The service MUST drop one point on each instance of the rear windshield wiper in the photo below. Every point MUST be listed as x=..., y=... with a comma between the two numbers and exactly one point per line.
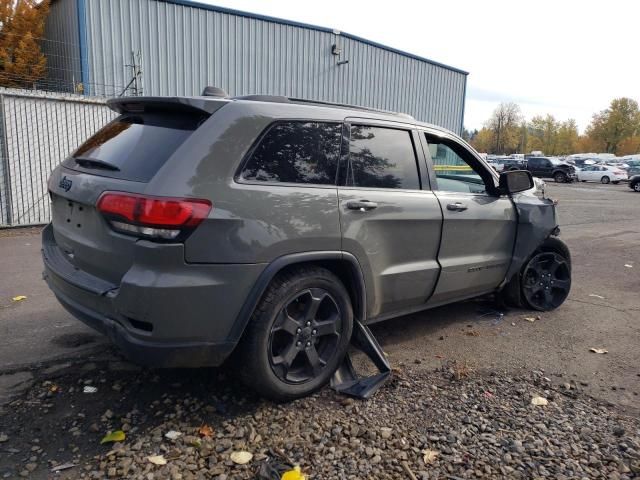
x=87, y=162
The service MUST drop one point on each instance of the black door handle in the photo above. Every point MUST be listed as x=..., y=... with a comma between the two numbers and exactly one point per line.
x=457, y=207
x=362, y=205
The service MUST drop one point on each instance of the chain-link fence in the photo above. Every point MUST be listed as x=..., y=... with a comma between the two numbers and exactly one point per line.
x=38, y=129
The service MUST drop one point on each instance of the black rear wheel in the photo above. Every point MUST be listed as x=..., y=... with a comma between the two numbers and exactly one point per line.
x=636, y=187
x=297, y=336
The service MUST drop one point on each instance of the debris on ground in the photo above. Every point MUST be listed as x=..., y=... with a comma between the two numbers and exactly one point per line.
x=19, y=298
x=89, y=389
x=295, y=474
x=157, y=459
x=115, y=436
x=172, y=435
x=429, y=456
x=64, y=466
x=601, y=351
x=205, y=431
x=241, y=457
x=472, y=333
x=595, y=295
x=481, y=427
x=628, y=265
x=539, y=401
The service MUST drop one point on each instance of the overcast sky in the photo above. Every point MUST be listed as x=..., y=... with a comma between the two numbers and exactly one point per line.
x=567, y=58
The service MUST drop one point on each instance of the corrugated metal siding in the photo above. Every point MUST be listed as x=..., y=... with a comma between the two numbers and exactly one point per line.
x=185, y=48
x=61, y=46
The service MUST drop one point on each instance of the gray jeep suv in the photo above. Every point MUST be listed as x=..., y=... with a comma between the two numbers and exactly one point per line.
x=260, y=229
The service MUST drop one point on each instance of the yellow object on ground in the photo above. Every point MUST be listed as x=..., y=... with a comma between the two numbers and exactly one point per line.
x=294, y=474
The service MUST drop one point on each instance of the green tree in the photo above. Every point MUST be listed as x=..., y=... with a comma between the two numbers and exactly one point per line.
x=483, y=141
x=610, y=127
x=543, y=134
x=567, y=142
x=505, y=126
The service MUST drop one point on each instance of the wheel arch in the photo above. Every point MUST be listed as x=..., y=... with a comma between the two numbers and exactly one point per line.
x=342, y=264
x=554, y=244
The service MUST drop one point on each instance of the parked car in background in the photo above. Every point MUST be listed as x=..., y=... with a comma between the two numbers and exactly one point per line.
x=634, y=167
x=601, y=173
x=545, y=167
x=634, y=183
x=512, y=164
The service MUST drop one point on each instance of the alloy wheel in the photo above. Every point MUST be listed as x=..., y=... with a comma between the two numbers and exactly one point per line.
x=546, y=281
x=305, y=336
x=605, y=180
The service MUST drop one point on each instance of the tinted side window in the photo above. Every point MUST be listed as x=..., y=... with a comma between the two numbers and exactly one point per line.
x=534, y=162
x=296, y=152
x=382, y=158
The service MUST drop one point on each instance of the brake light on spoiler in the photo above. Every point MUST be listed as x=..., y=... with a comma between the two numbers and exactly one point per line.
x=162, y=218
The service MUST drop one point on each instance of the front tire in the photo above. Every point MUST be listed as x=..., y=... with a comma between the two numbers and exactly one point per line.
x=604, y=180
x=297, y=336
x=545, y=279
x=636, y=187
x=524, y=289
x=559, y=177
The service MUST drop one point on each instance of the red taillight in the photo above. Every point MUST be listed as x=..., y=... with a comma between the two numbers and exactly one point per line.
x=152, y=216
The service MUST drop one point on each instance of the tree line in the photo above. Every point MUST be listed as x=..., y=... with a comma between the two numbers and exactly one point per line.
x=613, y=130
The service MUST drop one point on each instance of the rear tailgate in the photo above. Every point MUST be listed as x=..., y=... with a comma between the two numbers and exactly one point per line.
x=123, y=156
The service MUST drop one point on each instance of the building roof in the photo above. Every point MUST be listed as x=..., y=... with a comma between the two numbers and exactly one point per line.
x=266, y=18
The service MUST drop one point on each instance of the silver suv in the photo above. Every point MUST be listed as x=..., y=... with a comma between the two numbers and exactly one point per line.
x=260, y=229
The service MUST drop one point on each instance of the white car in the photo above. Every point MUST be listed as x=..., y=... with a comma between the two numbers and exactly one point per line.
x=601, y=173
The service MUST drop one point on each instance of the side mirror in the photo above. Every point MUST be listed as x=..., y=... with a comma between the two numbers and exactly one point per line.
x=515, y=181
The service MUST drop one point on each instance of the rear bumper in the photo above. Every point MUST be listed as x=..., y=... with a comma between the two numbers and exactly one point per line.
x=164, y=312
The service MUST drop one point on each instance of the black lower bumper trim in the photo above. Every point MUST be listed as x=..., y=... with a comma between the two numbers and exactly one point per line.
x=150, y=354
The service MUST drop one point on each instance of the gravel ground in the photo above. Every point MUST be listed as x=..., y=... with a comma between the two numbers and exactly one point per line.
x=468, y=424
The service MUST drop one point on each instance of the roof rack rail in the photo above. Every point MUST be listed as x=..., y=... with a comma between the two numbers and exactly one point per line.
x=282, y=99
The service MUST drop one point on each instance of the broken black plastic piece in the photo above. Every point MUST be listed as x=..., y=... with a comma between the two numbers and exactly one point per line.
x=347, y=381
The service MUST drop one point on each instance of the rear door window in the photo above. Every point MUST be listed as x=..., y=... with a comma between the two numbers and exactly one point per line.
x=382, y=157
x=296, y=152
x=134, y=146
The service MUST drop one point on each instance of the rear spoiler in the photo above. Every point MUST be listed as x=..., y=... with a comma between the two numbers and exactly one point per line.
x=182, y=104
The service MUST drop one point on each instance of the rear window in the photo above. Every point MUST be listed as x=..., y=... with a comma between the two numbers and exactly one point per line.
x=134, y=146
x=296, y=152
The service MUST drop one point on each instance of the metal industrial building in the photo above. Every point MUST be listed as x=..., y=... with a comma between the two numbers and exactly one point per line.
x=183, y=46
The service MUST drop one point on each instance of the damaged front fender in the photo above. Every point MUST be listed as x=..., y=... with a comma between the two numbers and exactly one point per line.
x=537, y=221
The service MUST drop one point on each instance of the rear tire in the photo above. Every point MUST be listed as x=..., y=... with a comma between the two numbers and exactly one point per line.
x=297, y=336
x=604, y=180
x=636, y=187
x=559, y=177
